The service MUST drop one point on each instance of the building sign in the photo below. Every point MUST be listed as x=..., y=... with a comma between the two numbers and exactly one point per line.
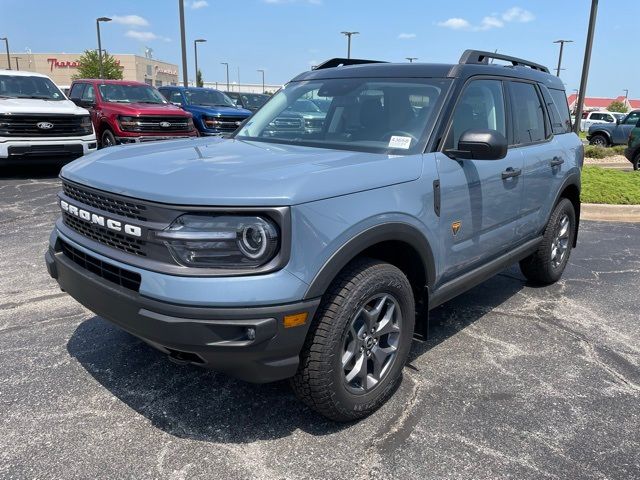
x=55, y=63
x=167, y=71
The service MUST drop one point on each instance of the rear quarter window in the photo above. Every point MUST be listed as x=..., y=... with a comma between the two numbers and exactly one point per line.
x=559, y=98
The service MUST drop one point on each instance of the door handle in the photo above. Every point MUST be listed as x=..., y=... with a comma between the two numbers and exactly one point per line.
x=511, y=172
x=556, y=161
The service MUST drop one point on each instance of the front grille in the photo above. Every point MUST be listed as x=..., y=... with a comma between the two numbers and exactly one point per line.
x=58, y=125
x=104, y=236
x=227, y=124
x=287, y=123
x=103, y=202
x=117, y=275
x=159, y=124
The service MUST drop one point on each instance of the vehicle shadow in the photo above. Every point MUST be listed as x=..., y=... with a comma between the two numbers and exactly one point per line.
x=191, y=402
x=32, y=170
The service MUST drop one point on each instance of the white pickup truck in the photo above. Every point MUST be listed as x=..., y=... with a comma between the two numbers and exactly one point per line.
x=602, y=116
x=38, y=123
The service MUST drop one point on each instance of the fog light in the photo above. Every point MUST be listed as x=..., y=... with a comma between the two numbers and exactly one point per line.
x=295, y=320
x=251, y=333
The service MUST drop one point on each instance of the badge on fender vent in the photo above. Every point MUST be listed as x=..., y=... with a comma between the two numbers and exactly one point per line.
x=455, y=227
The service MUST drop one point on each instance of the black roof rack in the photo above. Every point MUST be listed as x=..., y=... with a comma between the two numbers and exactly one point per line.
x=479, y=57
x=343, y=62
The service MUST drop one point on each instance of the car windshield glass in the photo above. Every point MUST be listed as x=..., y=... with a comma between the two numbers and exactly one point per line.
x=380, y=115
x=254, y=101
x=19, y=86
x=209, y=97
x=130, y=94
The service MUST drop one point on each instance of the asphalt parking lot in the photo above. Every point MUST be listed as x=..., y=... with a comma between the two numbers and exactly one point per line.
x=515, y=382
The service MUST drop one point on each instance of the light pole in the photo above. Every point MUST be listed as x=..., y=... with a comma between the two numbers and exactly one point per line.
x=238, y=78
x=411, y=59
x=226, y=65
x=195, y=51
x=262, y=71
x=183, y=45
x=17, y=62
x=626, y=93
x=561, y=42
x=349, y=35
x=6, y=41
x=98, y=20
x=586, y=63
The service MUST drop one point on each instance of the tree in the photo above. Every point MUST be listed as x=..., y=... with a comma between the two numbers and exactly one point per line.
x=617, y=106
x=199, y=82
x=89, y=66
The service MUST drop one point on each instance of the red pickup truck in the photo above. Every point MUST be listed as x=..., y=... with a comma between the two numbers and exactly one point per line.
x=130, y=112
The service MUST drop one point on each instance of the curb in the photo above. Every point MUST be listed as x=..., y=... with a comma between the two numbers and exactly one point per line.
x=610, y=213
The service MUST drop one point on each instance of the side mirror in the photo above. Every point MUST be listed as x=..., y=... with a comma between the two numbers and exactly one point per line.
x=177, y=104
x=480, y=144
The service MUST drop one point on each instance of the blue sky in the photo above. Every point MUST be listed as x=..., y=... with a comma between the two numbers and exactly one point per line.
x=287, y=36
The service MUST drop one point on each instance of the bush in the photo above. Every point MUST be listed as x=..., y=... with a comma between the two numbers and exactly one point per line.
x=591, y=151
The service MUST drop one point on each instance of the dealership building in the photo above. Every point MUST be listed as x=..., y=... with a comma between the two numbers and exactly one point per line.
x=60, y=67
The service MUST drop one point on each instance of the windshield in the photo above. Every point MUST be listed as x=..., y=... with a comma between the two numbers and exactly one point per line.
x=130, y=94
x=365, y=114
x=18, y=86
x=208, y=97
x=254, y=101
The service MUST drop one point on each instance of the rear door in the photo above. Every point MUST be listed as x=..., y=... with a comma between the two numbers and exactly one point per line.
x=480, y=199
x=544, y=156
x=622, y=132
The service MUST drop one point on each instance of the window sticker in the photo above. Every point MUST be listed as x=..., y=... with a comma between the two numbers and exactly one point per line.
x=400, y=142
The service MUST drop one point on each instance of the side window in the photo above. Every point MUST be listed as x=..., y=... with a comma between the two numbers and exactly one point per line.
x=596, y=116
x=559, y=110
x=528, y=113
x=609, y=118
x=76, y=91
x=632, y=118
x=175, y=97
x=89, y=94
x=481, y=106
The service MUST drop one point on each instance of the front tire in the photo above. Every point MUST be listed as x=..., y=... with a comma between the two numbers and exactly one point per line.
x=108, y=139
x=599, y=140
x=358, y=344
x=546, y=265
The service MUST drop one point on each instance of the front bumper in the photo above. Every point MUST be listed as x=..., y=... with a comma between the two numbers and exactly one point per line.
x=29, y=149
x=250, y=343
x=121, y=139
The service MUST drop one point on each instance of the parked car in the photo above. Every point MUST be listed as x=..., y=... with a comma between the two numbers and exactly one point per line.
x=322, y=103
x=130, y=112
x=312, y=116
x=213, y=112
x=617, y=133
x=38, y=123
x=313, y=257
x=632, y=152
x=595, y=117
x=249, y=101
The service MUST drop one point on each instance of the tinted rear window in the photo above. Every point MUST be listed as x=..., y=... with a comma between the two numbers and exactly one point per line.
x=560, y=102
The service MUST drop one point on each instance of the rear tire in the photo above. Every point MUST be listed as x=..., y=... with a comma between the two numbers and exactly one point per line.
x=599, y=140
x=546, y=265
x=108, y=139
x=349, y=366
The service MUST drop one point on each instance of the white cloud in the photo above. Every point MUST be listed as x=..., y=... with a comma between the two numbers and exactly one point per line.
x=517, y=14
x=197, y=4
x=455, y=24
x=145, y=36
x=281, y=2
x=406, y=36
x=131, y=20
x=514, y=14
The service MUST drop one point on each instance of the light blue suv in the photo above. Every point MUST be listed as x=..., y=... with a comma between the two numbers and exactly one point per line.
x=314, y=254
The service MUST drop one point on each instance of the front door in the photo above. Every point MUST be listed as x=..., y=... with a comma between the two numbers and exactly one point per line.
x=480, y=199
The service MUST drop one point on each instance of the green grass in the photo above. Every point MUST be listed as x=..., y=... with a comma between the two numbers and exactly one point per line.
x=591, y=151
x=603, y=185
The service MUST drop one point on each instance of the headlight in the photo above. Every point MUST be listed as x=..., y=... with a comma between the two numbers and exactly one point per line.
x=85, y=123
x=190, y=124
x=127, y=123
x=221, y=241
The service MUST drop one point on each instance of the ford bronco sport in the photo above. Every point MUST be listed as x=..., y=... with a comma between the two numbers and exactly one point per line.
x=310, y=254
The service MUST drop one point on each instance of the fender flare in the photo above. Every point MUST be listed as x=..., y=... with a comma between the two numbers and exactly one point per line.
x=572, y=179
x=391, y=231
x=601, y=132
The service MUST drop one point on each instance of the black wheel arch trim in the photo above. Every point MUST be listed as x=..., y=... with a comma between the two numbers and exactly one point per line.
x=390, y=231
x=573, y=179
x=604, y=133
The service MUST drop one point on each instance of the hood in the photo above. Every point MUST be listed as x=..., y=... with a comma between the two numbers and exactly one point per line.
x=205, y=110
x=229, y=172
x=35, y=105
x=146, y=109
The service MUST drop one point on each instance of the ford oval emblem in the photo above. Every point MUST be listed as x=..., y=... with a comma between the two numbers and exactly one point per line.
x=44, y=125
x=165, y=124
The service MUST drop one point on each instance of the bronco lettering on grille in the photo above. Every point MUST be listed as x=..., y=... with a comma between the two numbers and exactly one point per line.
x=100, y=220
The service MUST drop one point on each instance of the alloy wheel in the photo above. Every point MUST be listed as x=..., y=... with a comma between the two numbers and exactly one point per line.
x=560, y=244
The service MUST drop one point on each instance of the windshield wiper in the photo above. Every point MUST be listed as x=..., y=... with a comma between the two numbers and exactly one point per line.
x=37, y=97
